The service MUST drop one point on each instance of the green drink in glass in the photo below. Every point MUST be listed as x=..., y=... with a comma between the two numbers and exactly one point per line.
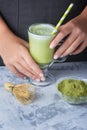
x=39, y=42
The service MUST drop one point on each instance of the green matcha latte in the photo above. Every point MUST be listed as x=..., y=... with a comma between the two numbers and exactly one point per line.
x=39, y=42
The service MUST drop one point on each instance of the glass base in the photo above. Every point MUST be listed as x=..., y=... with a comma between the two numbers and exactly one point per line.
x=50, y=79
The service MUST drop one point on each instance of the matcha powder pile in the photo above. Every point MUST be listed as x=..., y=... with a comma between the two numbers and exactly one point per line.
x=73, y=88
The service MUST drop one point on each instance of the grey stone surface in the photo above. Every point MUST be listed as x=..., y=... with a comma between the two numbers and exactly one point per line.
x=48, y=111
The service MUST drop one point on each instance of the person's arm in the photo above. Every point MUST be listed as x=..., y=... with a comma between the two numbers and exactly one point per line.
x=15, y=54
x=77, y=39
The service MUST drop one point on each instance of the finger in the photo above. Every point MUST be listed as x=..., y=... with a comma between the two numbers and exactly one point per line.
x=80, y=48
x=73, y=46
x=23, y=70
x=15, y=71
x=63, y=32
x=32, y=64
x=26, y=44
x=28, y=68
x=72, y=37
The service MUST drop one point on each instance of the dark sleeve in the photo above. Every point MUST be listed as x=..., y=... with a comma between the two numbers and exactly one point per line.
x=0, y=13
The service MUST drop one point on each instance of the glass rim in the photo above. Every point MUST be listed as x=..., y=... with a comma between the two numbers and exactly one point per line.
x=48, y=24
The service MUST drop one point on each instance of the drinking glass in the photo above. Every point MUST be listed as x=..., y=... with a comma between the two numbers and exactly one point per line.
x=40, y=38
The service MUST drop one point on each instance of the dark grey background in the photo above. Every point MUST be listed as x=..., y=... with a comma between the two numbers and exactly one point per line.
x=20, y=14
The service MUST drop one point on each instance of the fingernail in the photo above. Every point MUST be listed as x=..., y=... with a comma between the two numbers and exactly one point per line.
x=51, y=46
x=55, y=57
x=41, y=75
x=43, y=78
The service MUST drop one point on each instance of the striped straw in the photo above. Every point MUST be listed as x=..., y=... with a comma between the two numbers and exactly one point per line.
x=62, y=18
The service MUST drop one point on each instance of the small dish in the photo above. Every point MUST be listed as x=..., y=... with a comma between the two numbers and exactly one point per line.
x=72, y=99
